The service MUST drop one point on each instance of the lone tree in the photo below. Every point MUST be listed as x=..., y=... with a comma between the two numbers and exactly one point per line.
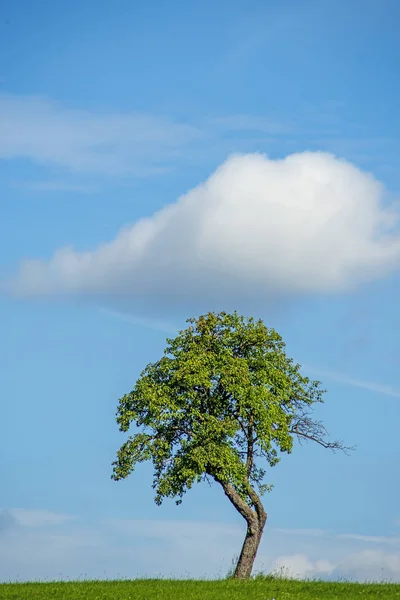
x=219, y=405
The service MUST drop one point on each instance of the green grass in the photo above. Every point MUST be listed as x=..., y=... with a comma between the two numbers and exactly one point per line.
x=259, y=588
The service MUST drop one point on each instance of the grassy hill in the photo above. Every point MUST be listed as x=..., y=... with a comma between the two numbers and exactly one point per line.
x=160, y=589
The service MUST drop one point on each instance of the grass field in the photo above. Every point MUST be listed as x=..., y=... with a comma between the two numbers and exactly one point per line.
x=159, y=589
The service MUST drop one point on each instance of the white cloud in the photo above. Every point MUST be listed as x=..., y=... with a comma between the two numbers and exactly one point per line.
x=256, y=229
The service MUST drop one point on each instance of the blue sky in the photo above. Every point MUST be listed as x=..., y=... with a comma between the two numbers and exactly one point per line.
x=159, y=161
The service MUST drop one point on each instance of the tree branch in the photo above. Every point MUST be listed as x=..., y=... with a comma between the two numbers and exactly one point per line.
x=258, y=505
x=250, y=449
x=241, y=506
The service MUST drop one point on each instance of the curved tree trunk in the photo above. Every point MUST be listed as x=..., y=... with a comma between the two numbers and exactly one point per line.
x=249, y=549
x=255, y=520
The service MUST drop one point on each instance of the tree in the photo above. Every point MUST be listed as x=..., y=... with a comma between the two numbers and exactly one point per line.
x=221, y=404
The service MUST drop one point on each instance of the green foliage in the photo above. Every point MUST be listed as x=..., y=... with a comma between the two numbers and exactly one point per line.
x=223, y=402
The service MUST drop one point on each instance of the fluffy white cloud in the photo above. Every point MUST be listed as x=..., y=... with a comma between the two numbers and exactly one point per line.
x=309, y=223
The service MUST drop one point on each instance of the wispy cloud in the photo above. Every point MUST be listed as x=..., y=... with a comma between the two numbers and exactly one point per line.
x=7, y=521
x=251, y=123
x=364, y=565
x=372, y=539
x=101, y=143
x=169, y=328
x=157, y=324
x=39, y=518
x=48, y=545
x=56, y=186
x=162, y=529
x=372, y=386
x=94, y=142
x=126, y=145
x=302, y=532
x=319, y=533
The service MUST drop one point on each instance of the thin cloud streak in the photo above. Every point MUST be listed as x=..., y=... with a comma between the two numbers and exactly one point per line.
x=39, y=518
x=169, y=328
x=156, y=324
x=373, y=539
x=325, y=533
x=372, y=386
x=133, y=144
x=55, y=186
x=305, y=532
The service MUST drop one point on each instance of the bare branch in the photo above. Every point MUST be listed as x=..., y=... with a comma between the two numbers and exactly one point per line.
x=307, y=429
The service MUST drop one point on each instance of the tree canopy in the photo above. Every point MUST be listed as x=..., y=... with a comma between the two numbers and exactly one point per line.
x=222, y=404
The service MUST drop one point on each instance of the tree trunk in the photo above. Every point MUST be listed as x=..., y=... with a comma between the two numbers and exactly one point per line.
x=249, y=549
x=255, y=520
